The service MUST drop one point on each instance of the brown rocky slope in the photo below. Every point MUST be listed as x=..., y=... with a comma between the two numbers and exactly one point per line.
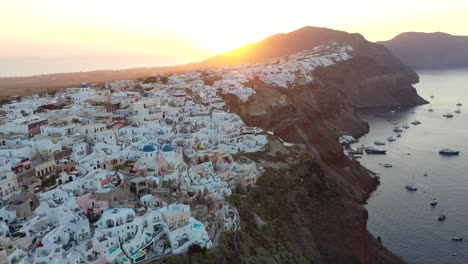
x=311, y=199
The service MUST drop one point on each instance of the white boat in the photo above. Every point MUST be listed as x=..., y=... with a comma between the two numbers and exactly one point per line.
x=387, y=165
x=434, y=202
x=431, y=109
x=379, y=143
x=398, y=135
x=425, y=174
x=373, y=150
x=411, y=186
x=416, y=122
x=448, y=114
x=457, y=111
x=457, y=238
x=459, y=103
x=449, y=152
x=394, y=123
x=405, y=126
x=391, y=139
x=397, y=130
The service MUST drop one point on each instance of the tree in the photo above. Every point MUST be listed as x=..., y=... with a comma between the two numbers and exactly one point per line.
x=119, y=167
x=52, y=93
x=165, y=243
x=4, y=101
x=163, y=79
x=188, y=91
x=193, y=249
x=151, y=79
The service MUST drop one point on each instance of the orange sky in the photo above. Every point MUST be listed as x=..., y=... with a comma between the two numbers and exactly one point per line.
x=194, y=30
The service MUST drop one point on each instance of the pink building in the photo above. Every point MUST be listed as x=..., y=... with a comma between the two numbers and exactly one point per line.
x=86, y=202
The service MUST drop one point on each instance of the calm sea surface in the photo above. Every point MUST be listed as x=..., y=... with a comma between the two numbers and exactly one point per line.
x=405, y=220
x=28, y=66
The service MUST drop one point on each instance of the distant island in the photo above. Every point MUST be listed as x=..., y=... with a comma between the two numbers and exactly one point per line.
x=430, y=50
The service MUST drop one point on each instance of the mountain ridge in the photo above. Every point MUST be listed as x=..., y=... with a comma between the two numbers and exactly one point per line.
x=278, y=45
x=429, y=50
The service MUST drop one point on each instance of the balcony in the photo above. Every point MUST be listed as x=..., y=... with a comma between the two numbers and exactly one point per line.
x=130, y=218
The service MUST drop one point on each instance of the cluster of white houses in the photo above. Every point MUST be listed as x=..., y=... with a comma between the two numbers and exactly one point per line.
x=121, y=173
x=129, y=171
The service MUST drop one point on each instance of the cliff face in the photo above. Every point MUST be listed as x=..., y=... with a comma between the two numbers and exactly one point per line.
x=311, y=197
x=320, y=199
x=430, y=50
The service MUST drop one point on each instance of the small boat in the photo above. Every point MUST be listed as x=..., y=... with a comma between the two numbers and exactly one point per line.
x=425, y=174
x=459, y=103
x=457, y=111
x=430, y=109
x=398, y=135
x=379, y=143
x=373, y=150
x=411, y=186
x=405, y=126
x=394, y=123
x=442, y=217
x=448, y=114
x=397, y=130
x=391, y=139
x=387, y=165
x=457, y=238
x=434, y=202
x=449, y=152
x=416, y=122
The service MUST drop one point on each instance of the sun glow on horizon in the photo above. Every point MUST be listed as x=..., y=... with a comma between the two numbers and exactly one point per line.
x=195, y=30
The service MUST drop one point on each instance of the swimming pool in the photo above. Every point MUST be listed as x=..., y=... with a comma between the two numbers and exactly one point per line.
x=113, y=250
x=139, y=254
x=197, y=226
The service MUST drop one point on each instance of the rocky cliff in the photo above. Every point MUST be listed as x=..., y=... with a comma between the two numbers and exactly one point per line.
x=430, y=50
x=310, y=198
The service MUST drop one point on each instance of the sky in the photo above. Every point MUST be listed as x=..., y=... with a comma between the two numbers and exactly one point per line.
x=186, y=31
